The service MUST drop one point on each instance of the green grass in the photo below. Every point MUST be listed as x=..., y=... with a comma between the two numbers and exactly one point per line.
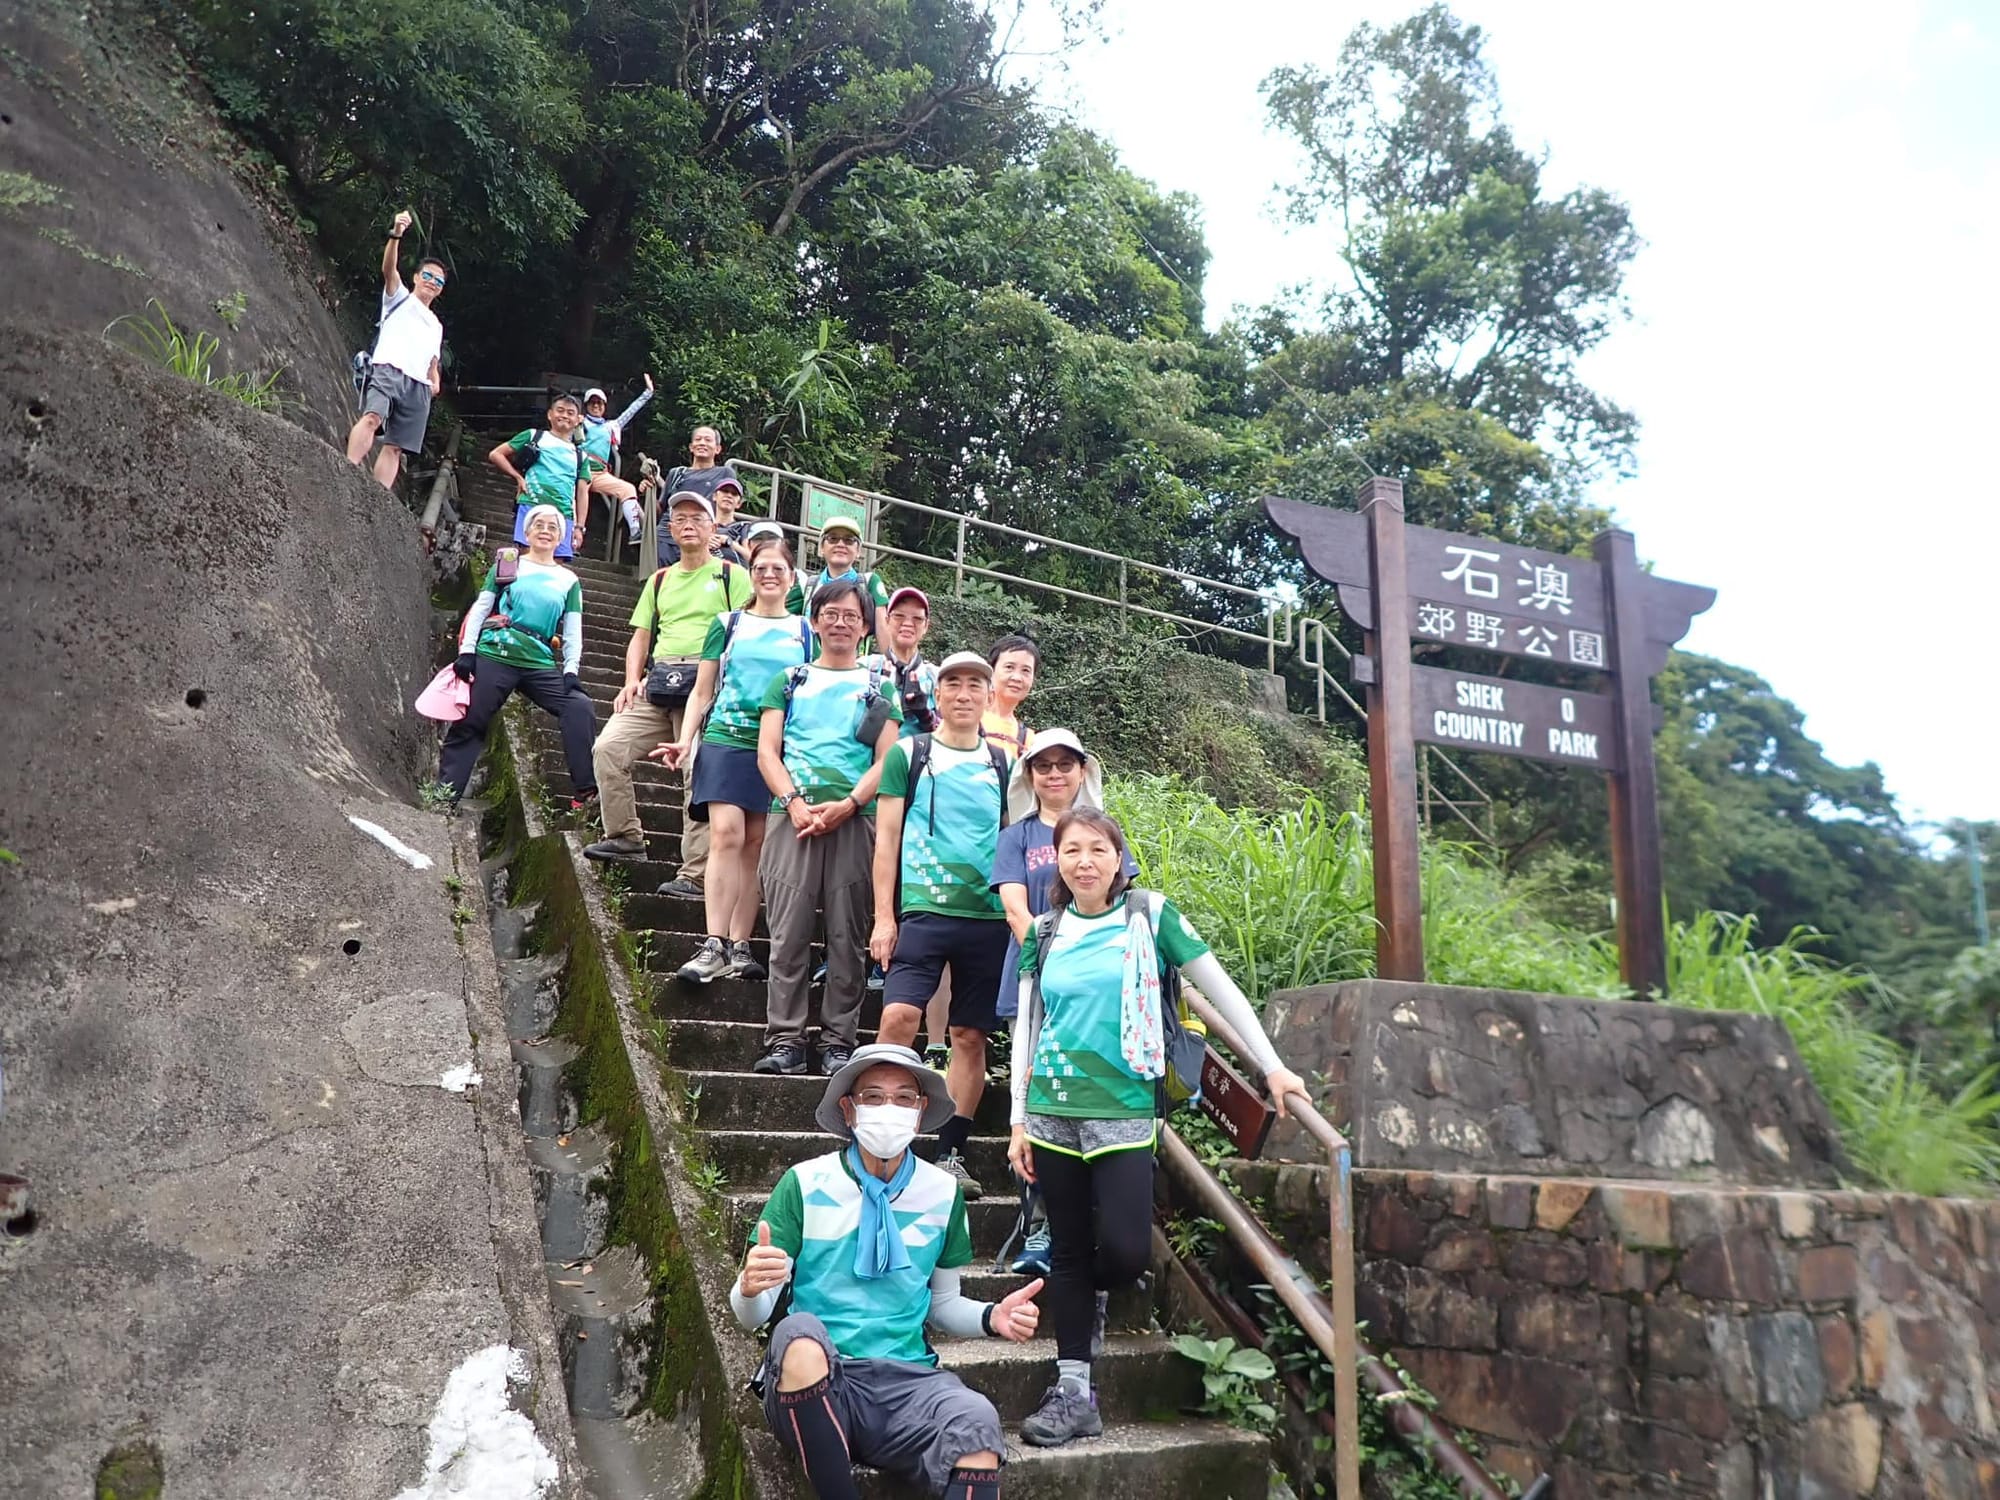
x=190, y=353
x=1287, y=900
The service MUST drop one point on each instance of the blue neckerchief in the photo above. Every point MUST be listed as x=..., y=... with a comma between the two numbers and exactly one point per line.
x=878, y=1246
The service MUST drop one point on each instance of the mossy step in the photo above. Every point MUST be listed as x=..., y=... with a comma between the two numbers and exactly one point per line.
x=1183, y=1459
x=742, y=1001
x=726, y=1045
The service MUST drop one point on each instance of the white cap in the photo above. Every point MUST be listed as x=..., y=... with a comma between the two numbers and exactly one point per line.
x=679, y=497
x=960, y=661
x=1022, y=803
x=595, y=393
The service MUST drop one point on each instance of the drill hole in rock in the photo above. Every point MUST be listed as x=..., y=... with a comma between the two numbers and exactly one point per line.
x=37, y=411
x=196, y=697
x=351, y=947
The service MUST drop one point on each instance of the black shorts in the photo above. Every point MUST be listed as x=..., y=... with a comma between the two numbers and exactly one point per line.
x=403, y=404
x=973, y=948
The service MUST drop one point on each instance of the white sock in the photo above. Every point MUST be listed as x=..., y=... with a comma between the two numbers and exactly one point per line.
x=633, y=516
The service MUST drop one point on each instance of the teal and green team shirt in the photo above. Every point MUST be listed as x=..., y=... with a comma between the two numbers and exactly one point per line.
x=821, y=752
x=538, y=598
x=815, y=1214
x=951, y=829
x=552, y=466
x=760, y=648
x=1079, y=1068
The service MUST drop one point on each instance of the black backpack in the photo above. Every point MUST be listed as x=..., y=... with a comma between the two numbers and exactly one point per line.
x=920, y=757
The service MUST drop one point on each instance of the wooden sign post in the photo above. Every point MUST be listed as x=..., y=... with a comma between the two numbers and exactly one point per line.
x=1599, y=614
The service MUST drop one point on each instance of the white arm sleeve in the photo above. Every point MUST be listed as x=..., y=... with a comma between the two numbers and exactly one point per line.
x=952, y=1311
x=1220, y=990
x=475, y=618
x=753, y=1312
x=572, y=637
x=1026, y=1031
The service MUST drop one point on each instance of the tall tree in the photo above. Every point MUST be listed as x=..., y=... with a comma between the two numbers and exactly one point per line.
x=1466, y=281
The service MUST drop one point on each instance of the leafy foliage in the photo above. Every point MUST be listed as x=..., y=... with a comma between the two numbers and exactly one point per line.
x=1229, y=1380
x=190, y=353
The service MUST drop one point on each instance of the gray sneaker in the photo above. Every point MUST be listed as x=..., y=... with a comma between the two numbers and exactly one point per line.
x=680, y=886
x=1064, y=1414
x=710, y=961
x=953, y=1163
x=743, y=963
x=624, y=847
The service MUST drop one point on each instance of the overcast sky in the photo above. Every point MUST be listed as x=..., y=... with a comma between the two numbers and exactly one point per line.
x=1815, y=328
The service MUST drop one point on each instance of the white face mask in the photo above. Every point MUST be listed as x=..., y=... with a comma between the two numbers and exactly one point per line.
x=885, y=1130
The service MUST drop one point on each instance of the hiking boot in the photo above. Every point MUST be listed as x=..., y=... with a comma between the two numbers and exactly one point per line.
x=1065, y=1413
x=1034, y=1257
x=680, y=886
x=954, y=1164
x=833, y=1057
x=819, y=975
x=1099, y=1313
x=787, y=1057
x=710, y=961
x=584, y=800
x=629, y=847
x=937, y=1057
x=743, y=963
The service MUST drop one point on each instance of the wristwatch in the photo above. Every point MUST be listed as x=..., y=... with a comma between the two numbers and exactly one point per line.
x=788, y=799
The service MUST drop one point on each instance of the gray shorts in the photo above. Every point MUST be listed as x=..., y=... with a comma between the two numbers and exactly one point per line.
x=1088, y=1138
x=913, y=1421
x=403, y=404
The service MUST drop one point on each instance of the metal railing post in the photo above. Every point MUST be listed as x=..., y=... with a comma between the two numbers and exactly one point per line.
x=958, y=563
x=444, y=484
x=649, y=534
x=1124, y=599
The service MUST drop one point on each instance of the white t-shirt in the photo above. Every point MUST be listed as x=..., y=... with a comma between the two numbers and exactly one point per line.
x=411, y=337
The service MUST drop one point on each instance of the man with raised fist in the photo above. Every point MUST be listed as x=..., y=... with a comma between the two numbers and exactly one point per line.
x=869, y=1240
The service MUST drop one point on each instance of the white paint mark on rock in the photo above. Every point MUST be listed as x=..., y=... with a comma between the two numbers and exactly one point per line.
x=1461, y=1135
x=1773, y=1141
x=416, y=859
x=457, y=1080
x=114, y=906
x=479, y=1445
x=1396, y=1125
x=1674, y=1134
x=1404, y=1014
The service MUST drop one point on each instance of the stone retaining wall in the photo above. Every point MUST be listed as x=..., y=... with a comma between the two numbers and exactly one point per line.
x=1643, y=1339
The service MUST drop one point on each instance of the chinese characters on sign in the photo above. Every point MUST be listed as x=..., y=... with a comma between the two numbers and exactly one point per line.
x=1464, y=626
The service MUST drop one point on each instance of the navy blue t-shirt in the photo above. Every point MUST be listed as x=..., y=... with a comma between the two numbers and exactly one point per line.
x=1027, y=856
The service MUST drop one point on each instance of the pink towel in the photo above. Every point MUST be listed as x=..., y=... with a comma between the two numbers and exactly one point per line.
x=446, y=698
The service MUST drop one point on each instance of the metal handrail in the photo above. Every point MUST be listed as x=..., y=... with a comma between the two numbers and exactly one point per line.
x=1331, y=1327
x=1285, y=626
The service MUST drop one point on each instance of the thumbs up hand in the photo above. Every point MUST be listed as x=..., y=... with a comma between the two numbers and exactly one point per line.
x=1015, y=1316
x=765, y=1266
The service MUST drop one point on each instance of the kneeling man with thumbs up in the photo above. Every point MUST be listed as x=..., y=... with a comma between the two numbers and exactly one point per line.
x=870, y=1240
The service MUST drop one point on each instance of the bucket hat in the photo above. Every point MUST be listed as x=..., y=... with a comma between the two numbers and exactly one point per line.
x=937, y=1101
x=1021, y=785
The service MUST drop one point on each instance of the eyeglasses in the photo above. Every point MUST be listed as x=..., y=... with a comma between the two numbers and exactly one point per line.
x=840, y=616
x=431, y=276
x=769, y=570
x=902, y=1098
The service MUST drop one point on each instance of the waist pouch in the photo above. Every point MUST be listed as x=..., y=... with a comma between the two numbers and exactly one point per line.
x=670, y=682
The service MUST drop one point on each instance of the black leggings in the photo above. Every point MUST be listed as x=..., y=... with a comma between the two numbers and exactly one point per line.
x=1100, y=1233
x=492, y=681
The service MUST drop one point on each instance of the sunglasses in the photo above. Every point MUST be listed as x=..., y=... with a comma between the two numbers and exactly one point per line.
x=431, y=276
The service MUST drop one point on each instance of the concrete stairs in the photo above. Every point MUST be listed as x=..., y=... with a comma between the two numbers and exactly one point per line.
x=752, y=1127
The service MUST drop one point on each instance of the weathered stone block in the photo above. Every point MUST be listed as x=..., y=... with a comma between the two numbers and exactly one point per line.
x=1642, y=1218
x=1394, y=1228
x=1514, y=1398
x=1677, y=1340
x=1784, y=1349
x=1437, y=1313
x=1552, y=1265
x=1839, y=1355
x=1829, y=1273
x=1875, y=1334
x=1558, y=1327
x=1509, y=1202
x=1462, y=1250
x=1556, y=1203
x=1690, y=1404
x=1735, y=1266
x=1436, y=1077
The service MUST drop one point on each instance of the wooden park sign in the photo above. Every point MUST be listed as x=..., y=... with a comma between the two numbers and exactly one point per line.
x=1599, y=614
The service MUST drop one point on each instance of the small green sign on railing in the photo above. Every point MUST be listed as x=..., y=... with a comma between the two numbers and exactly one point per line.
x=823, y=505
